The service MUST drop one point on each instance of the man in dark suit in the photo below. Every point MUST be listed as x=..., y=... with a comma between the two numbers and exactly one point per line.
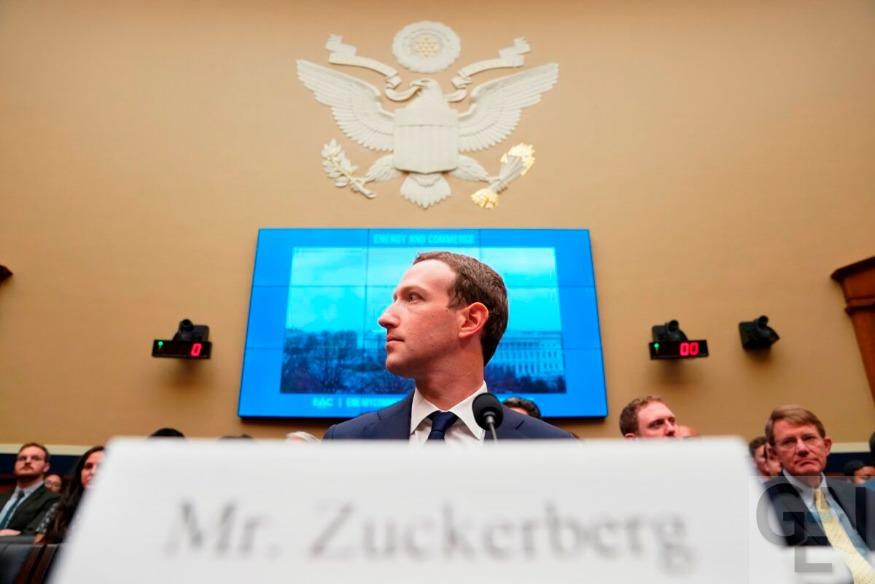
x=811, y=509
x=445, y=322
x=22, y=509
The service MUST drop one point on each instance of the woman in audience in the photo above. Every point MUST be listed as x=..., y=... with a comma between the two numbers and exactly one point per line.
x=57, y=521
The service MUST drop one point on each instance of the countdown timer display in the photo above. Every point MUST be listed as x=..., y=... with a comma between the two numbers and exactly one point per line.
x=182, y=349
x=678, y=349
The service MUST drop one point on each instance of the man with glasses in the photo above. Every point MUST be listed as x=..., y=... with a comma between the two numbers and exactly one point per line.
x=811, y=509
x=22, y=509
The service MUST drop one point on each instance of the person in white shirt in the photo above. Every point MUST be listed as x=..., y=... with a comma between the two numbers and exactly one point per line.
x=810, y=508
x=445, y=321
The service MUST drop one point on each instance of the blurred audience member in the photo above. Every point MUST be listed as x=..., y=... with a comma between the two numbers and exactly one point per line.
x=648, y=417
x=864, y=475
x=684, y=431
x=236, y=437
x=22, y=509
x=850, y=468
x=54, y=483
x=301, y=436
x=57, y=522
x=766, y=466
x=523, y=406
x=166, y=433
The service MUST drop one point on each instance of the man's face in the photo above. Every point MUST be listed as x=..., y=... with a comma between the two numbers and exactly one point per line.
x=767, y=467
x=655, y=420
x=800, y=448
x=420, y=326
x=31, y=463
x=862, y=475
x=53, y=483
x=759, y=457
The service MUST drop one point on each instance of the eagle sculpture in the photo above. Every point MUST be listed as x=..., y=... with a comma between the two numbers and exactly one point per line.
x=427, y=137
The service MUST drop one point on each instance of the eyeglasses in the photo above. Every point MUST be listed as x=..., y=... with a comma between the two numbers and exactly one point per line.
x=790, y=444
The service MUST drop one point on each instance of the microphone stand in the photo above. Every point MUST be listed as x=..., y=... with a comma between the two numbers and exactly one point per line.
x=490, y=421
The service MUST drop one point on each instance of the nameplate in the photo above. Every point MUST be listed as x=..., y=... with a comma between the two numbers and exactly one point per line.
x=523, y=512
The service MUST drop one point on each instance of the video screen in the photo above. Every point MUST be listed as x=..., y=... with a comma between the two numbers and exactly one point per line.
x=314, y=348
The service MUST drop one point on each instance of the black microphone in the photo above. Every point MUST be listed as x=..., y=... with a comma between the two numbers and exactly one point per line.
x=488, y=412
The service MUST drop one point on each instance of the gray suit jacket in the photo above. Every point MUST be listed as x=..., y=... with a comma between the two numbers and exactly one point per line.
x=797, y=526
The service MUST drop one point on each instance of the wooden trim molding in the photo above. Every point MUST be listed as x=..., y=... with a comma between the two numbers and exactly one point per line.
x=858, y=285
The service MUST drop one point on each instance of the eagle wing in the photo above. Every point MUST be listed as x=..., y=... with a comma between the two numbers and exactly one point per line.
x=496, y=106
x=354, y=103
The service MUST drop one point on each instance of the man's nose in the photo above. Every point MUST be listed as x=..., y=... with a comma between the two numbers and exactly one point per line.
x=388, y=319
x=671, y=429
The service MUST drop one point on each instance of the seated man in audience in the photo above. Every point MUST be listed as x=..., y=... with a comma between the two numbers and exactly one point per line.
x=648, y=417
x=444, y=324
x=766, y=466
x=22, y=509
x=864, y=475
x=811, y=509
x=524, y=406
x=54, y=483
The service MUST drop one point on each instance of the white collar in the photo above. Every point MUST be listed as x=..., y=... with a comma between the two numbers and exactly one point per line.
x=29, y=490
x=422, y=408
x=806, y=492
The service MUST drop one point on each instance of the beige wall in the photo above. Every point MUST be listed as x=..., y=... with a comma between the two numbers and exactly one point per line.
x=721, y=153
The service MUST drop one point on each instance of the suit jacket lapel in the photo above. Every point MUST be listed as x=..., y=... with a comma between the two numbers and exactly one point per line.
x=800, y=525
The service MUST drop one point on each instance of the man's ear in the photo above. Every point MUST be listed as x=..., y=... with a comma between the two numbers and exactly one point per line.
x=827, y=441
x=475, y=316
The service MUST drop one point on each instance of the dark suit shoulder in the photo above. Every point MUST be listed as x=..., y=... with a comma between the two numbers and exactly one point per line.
x=391, y=423
x=352, y=429
x=32, y=508
x=520, y=426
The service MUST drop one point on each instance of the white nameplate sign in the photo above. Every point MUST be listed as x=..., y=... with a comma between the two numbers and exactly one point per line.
x=522, y=512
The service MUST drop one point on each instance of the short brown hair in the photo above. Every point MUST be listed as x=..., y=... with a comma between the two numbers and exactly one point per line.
x=36, y=444
x=795, y=415
x=476, y=282
x=629, y=415
x=754, y=444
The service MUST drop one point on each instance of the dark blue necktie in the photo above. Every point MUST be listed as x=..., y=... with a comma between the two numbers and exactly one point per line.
x=440, y=423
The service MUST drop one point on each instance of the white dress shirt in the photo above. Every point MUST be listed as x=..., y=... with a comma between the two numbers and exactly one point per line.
x=464, y=431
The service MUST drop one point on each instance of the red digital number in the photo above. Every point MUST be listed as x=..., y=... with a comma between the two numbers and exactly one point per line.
x=694, y=349
x=685, y=349
x=196, y=350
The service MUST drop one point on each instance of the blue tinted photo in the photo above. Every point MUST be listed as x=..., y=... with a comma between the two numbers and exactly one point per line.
x=333, y=344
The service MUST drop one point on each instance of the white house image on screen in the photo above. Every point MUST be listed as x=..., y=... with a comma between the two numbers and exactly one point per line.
x=535, y=354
